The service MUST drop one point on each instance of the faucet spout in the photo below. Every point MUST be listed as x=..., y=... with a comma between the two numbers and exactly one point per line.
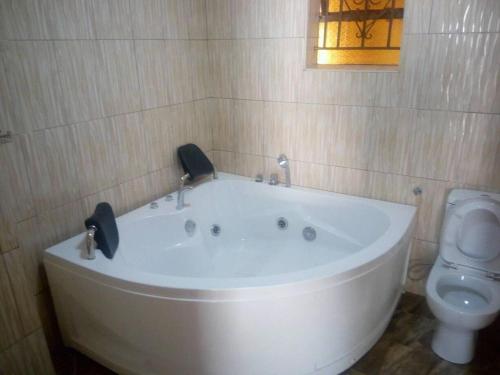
x=180, y=197
x=90, y=244
x=285, y=164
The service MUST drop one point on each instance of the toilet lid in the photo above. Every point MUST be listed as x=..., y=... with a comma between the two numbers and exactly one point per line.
x=471, y=234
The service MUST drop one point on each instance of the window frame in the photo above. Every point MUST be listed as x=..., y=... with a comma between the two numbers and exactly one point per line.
x=312, y=36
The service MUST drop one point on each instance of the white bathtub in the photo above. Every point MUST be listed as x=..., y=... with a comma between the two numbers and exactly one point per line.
x=256, y=299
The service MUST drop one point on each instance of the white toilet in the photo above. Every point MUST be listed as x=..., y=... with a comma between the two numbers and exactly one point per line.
x=463, y=288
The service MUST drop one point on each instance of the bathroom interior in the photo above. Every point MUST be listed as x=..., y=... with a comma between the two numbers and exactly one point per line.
x=382, y=115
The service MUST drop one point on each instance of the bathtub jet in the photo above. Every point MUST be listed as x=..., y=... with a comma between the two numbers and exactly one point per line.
x=253, y=299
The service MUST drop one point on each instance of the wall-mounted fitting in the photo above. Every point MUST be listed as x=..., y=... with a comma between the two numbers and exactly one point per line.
x=284, y=163
x=417, y=191
x=5, y=136
x=274, y=180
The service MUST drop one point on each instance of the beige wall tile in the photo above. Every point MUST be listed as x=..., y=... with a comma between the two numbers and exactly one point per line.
x=350, y=139
x=48, y=19
x=199, y=68
x=112, y=19
x=148, y=18
x=248, y=165
x=390, y=135
x=136, y=192
x=96, y=155
x=131, y=147
x=314, y=135
x=51, y=167
x=117, y=79
x=431, y=206
x=436, y=141
x=30, y=245
x=417, y=16
x=460, y=72
x=248, y=126
x=247, y=61
x=280, y=67
x=28, y=356
x=161, y=136
x=311, y=175
x=69, y=19
x=201, y=131
x=221, y=64
x=151, y=57
x=392, y=188
x=33, y=85
x=465, y=16
x=422, y=257
x=10, y=324
x=160, y=19
x=17, y=201
x=179, y=71
x=280, y=128
x=25, y=299
x=196, y=18
x=350, y=181
x=77, y=62
x=224, y=161
x=479, y=163
x=23, y=19
x=60, y=224
x=219, y=19
x=222, y=125
x=114, y=196
x=8, y=239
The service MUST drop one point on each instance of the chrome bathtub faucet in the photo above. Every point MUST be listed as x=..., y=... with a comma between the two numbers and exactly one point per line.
x=180, y=197
x=273, y=180
x=285, y=164
x=90, y=244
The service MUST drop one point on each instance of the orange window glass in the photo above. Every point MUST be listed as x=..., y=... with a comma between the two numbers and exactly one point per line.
x=360, y=32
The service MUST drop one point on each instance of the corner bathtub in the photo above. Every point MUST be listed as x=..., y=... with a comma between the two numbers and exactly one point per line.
x=256, y=299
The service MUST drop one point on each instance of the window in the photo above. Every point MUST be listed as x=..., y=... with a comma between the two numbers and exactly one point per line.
x=358, y=32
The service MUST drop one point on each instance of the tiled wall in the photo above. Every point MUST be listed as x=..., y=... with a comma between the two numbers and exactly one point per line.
x=435, y=123
x=98, y=94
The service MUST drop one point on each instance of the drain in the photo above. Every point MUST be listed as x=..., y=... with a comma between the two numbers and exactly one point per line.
x=282, y=223
x=309, y=234
x=215, y=230
x=190, y=227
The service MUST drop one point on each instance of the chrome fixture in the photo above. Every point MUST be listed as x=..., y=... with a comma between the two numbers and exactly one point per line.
x=273, y=180
x=215, y=174
x=5, y=136
x=180, y=197
x=90, y=244
x=417, y=191
x=282, y=223
x=283, y=163
x=215, y=230
x=190, y=227
x=309, y=234
x=259, y=178
x=153, y=205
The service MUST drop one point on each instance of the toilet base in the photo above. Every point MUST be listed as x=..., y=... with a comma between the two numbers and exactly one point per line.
x=454, y=344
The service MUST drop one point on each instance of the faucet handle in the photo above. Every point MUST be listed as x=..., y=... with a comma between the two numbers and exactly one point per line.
x=274, y=180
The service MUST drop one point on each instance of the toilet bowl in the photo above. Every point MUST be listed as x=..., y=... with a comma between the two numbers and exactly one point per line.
x=463, y=288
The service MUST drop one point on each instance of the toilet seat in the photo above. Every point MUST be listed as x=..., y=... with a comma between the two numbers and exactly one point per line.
x=482, y=214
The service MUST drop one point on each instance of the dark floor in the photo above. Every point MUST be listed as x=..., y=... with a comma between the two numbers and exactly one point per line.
x=403, y=349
